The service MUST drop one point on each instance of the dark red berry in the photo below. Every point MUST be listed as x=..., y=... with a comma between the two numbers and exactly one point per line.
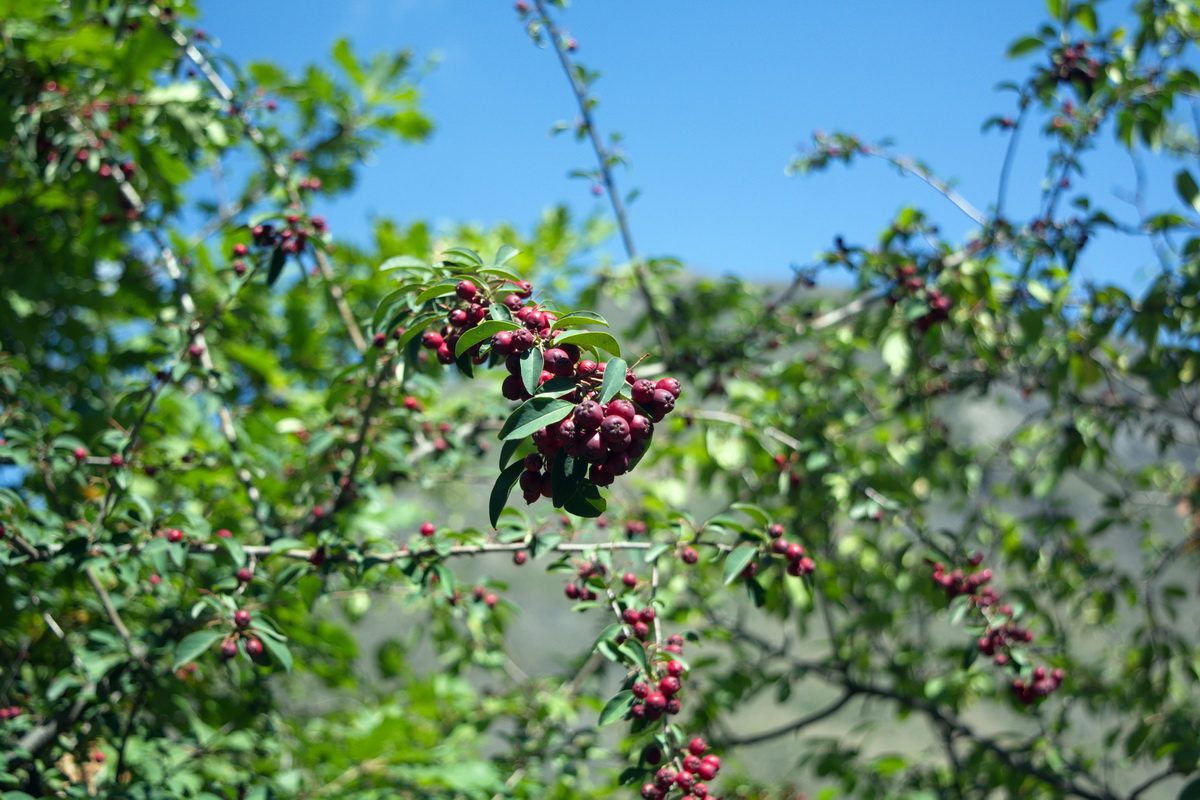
x=689, y=556
x=254, y=647
x=241, y=618
x=245, y=574
x=431, y=340
x=640, y=690
x=630, y=580
x=675, y=668
x=428, y=529
x=466, y=290
x=697, y=746
x=643, y=391
x=228, y=649
x=669, y=384
x=669, y=685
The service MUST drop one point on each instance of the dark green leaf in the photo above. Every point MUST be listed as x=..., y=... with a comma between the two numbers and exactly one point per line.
x=595, y=340
x=531, y=369
x=616, y=708
x=737, y=560
x=278, y=259
x=1185, y=185
x=192, y=645
x=576, y=318
x=484, y=330
x=501, y=490
x=614, y=379
x=279, y=652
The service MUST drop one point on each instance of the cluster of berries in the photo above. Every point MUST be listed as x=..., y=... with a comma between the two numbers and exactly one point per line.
x=10, y=712
x=693, y=769
x=657, y=696
x=578, y=589
x=907, y=281
x=1041, y=685
x=958, y=583
x=610, y=436
x=999, y=638
x=461, y=318
x=1073, y=64
x=291, y=239
x=798, y=563
x=254, y=645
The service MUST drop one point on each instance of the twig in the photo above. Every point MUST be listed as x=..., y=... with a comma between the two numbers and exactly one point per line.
x=792, y=727
x=602, y=159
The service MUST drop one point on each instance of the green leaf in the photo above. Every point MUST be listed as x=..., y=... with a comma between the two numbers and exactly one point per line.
x=614, y=379
x=737, y=560
x=460, y=254
x=754, y=511
x=502, y=272
x=577, y=318
x=507, y=450
x=403, y=262
x=608, y=634
x=616, y=708
x=193, y=645
x=568, y=475
x=500, y=491
x=633, y=650
x=505, y=254
x=278, y=259
x=1025, y=45
x=531, y=369
x=484, y=330
x=591, y=340
x=896, y=351
x=439, y=289
x=279, y=651
x=587, y=502
x=1185, y=185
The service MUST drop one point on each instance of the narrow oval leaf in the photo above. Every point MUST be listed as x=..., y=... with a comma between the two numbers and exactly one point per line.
x=737, y=560
x=501, y=490
x=534, y=414
x=577, y=318
x=459, y=254
x=484, y=330
x=616, y=708
x=439, y=289
x=754, y=511
x=279, y=652
x=614, y=379
x=505, y=254
x=531, y=369
x=403, y=263
x=502, y=272
x=633, y=650
x=192, y=645
x=417, y=325
x=594, y=340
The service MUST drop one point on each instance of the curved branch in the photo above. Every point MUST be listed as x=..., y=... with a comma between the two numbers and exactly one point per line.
x=792, y=727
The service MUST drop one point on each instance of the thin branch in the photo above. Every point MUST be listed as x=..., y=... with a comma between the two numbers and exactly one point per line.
x=602, y=159
x=107, y=602
x=791, y=727
x=917, y=170
x=277, y=166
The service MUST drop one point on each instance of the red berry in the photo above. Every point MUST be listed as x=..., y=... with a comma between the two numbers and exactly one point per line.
x=558, y=361
x=174, y=535
x=241, y=618
x=689, y=556
x=80, y=453
x=656, y=701
x=240, y=250
x=640, y=690
x=669, y=685
x=642, y=631
x=245, y=574
x=490, y=600
x=675, y=668
x=428, y=529
x=520, y=557
x=466, y=290
x=697, y=746
x=254, y=647
x=380, y=340
x=431, y=340
x=651, y=792
x=670, y=385
x=664, y=778
x=224, y=533
x=228, y=649
x=629, y=579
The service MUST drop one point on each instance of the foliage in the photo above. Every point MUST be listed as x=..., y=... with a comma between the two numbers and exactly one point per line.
x=247, y=545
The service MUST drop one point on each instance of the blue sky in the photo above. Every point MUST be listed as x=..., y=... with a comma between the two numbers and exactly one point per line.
x=712, y=100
